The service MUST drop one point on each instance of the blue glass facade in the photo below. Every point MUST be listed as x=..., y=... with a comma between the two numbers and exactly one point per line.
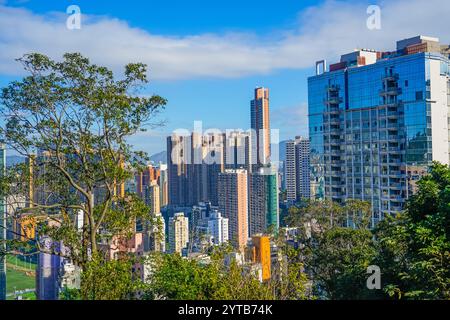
x=371, y=130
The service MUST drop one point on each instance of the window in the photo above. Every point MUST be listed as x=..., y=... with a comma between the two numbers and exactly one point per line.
x=419, y=95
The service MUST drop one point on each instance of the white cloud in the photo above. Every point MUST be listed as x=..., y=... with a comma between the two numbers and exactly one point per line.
x=291, y=121
x=323, y=31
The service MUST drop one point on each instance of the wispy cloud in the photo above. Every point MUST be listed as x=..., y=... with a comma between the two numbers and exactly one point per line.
x=323, y=31
x=291, y=121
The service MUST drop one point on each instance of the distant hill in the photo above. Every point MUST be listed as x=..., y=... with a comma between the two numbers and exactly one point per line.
x=13, y=160
x=159, y=157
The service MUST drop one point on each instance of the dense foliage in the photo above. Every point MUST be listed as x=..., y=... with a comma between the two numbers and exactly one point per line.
x=178, y=278
x=414, y=248
x=411, y=249
x=72, y=121
x=174, y=277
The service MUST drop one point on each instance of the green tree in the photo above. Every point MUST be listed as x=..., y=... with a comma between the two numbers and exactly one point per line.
x=236, y=283
x=288, y=280
x=110, y=279
x=338, y=263
x=72, y=120
x=174, y=278
x=70, y=294
x=414, y=247
x=336, y=246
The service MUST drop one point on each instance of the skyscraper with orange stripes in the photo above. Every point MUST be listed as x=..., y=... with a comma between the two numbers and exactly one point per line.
x=260, y=122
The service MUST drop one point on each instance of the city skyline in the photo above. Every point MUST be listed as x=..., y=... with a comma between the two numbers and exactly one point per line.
x=286, y=27
x=297, y=152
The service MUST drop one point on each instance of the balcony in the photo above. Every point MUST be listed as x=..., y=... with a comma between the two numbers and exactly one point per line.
x=332, y=109
x=394, y=114
x=337, y=184
x=335, y=194
x=332, y=88
x=392, y=197
x=333, y=101
x=395, y=149
x=336, y=161
x=390, y=77
x=389, y=104
x=335, y=152
x=334, y=174
x=393, y=125
x=392, y=138
x=395, y=162
x=335, y=141
x=334, y=130
x=395, y=173
x=333, y=121
x=391, y=91
x=396, y=186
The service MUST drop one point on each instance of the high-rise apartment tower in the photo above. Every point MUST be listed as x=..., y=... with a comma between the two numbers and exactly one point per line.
x=376, y=122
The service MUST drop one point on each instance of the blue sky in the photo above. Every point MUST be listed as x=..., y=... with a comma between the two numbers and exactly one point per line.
x=178, y=17
x=206, y=57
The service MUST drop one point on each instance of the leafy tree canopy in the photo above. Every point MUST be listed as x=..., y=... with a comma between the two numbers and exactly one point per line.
x=414, y=247
x=72, y=119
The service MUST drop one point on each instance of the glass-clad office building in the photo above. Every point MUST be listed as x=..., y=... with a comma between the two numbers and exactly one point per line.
x=376, y=122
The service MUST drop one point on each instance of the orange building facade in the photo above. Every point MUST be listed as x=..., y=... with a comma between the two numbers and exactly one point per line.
x=260, y=253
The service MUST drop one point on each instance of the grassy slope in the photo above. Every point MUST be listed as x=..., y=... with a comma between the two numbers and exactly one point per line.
x=18, y=280
x=15, y=261
x=17, y=277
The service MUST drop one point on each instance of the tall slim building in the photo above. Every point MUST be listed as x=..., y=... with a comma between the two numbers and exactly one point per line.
x=178, y=232
x=233, y=204
x=218, y=227
x=163, y=185
x=152, y=197
x=377, y=120
x=155, y=238
x=2, y=229
x=260, y=123
x=263, y=193
x=297, y=169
